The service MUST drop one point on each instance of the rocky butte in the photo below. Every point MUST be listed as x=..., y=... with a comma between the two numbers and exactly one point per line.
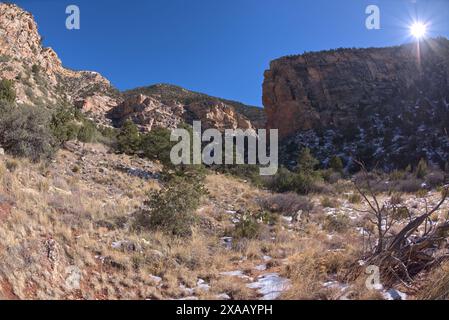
x=385, y=106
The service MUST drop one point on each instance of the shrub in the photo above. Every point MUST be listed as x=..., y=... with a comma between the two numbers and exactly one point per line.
x=172, y=209
x=11, y=165
x=400, y=213
x=396, y=199
x=4, y=58
x=128, y=138
x=69, y=123
x=327, y=202
x=397, y=175
x=422, y=193
x=287, y=181
x=421, y=169
x=326, y=174
x=247, y=227
x=355, y=198
x=435, y=178
x=156, y=145
x=35, y=69
x=306, y=162
x=25, y=132
x=336, y=164
x=330, y=176
x=304, y=184
x=282, y=181
x=7, y=92
x=288, y=203
x=267, y=217
x=107, y=135
x=337, y=223
x=63, y=126
x=410, y=185
x=87, y=132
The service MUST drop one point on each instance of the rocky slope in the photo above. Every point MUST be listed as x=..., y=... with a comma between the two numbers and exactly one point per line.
x=167, y=106
x=375, y=104
x=38, y=75
x=40, y=79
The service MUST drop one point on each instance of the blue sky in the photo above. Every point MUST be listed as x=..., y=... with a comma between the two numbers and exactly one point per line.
x=217, y=47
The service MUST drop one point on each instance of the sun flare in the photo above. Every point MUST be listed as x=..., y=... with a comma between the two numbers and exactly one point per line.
x=418, y=30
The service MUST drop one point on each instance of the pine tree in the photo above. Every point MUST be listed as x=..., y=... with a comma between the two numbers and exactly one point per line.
x=306, y=162
x=336, y=164
x=7, y=92
x=128, y=139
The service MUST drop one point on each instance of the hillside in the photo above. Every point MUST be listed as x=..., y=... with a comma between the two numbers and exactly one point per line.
x=168, y=93
x=164, y=105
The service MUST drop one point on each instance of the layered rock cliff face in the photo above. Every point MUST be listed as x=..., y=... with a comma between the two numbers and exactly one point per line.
x=147, y=112
x=38, y=75
x=385, y=106
x=41, y=80
x=167, y=106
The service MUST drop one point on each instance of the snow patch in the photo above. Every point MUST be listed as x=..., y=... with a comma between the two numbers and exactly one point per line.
x=270, y=285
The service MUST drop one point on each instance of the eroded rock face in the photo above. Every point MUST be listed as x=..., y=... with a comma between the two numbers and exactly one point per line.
x=38, y=75
x=218, y=115
x=147, y=112
x=167, y=106
x=330, y=88
x=375, y=105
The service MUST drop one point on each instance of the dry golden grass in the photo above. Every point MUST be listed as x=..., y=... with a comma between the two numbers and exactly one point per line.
x=436, y=286
x=62, y=219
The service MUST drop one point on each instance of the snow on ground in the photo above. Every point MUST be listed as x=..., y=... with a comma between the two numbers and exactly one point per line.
x=270, y=285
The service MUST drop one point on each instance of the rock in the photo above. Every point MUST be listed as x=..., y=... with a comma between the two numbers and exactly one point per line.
x=126, y=246
x=157, y=280
x=261, y=267
x=214, y=114
x=73, y=277
x=227, y=242
x=361, y=103
x=223, y=296
x=147, y=112
x=201, y=285
x=156, y=253
x=394, y=294
x=21, y=44
x=52, y=251
x=236, y=273
x=155, y=111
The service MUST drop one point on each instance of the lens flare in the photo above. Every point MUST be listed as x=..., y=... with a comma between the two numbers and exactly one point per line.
x=418, y=30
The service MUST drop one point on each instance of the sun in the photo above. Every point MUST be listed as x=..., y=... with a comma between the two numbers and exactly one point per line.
x=418, y=30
